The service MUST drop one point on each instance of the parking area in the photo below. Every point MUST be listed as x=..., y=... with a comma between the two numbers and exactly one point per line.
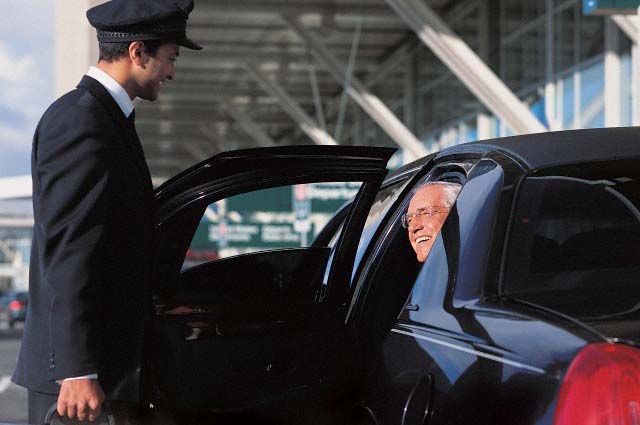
x=13, y=399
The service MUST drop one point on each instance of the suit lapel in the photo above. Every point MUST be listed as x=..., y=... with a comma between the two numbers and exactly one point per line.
x=127, y=129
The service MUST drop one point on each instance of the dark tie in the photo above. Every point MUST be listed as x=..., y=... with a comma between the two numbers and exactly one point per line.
x=137, y=146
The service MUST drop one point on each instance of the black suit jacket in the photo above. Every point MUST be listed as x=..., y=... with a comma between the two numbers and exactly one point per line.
x=92, y=200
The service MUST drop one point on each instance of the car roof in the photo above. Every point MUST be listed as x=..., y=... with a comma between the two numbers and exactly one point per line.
x=543, y=150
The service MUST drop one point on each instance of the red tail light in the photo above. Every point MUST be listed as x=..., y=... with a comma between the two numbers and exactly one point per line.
x=15, y=305
x=601, y=387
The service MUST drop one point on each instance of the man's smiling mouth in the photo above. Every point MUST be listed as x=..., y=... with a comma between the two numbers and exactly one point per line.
x=423, y=238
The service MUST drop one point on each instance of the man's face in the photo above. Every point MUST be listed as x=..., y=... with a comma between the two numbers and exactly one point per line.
x=156, y=70
x=423, y=228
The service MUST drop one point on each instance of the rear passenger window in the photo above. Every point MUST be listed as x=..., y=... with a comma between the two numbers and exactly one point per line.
x=575, y=243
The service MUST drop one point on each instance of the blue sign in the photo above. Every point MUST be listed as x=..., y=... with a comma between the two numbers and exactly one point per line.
x=610, y=7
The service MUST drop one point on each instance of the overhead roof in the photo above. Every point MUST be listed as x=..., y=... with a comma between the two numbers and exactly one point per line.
x=189, y=121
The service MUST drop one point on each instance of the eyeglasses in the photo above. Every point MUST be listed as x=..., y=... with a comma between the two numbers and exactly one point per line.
x=430, y=212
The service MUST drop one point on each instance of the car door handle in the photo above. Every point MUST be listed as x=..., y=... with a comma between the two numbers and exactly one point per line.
x=412, y=307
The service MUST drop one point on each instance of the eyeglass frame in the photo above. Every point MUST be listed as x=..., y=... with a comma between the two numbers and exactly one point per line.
x=422, y=213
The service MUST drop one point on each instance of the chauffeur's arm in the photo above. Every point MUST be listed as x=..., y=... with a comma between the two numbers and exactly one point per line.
x=74, y=168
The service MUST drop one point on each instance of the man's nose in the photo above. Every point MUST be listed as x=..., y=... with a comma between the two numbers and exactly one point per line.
x=415, y=225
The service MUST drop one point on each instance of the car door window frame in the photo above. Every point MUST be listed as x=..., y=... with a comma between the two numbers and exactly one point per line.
x=184, y=208
x=376, y=249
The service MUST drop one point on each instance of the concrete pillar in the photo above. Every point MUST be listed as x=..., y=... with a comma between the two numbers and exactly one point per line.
x=76, y=47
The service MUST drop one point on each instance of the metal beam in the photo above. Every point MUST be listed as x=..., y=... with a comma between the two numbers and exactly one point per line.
x=304, y=121
x=247, y=124
x=278, y=6
x=628, y=24
x=409, y=49
x=196, y=151
x=369, y=102
x=467, y=66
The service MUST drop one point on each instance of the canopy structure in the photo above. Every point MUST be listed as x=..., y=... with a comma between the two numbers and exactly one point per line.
x=366, y=72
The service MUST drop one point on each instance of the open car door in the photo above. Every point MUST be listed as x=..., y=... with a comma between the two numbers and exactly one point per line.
x=260, y=328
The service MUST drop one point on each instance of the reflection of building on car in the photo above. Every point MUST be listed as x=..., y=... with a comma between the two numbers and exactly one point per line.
x=13, y=307
x=531, y=279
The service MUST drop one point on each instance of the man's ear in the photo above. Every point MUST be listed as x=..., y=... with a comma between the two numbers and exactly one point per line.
x=138, y=53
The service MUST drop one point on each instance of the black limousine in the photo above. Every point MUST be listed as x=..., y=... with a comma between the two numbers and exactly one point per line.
x=525, y=311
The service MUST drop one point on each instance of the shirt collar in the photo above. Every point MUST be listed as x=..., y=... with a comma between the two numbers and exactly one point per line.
x=114, y=88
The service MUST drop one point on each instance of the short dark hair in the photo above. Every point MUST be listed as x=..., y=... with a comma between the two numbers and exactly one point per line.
x=110, y=52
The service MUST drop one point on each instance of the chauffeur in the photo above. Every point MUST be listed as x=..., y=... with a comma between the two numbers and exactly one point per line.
x=92, y=199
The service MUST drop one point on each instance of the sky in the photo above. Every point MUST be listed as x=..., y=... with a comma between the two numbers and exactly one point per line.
x=26, y=78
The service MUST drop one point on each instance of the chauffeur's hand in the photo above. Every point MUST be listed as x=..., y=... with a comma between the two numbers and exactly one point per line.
x=80, y=397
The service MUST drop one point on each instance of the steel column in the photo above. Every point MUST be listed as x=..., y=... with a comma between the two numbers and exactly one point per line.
x=629, y=24
x=371, y=104
x=467, y=66
x=550, y=86
x=304, y=121
x=247, y=124
x=483, y=121
x=577, y=75
x=612, y=73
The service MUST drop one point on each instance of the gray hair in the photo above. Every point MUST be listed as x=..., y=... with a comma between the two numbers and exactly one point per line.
x=451, y=191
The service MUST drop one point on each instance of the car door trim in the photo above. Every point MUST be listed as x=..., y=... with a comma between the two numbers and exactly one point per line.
x=471, y=351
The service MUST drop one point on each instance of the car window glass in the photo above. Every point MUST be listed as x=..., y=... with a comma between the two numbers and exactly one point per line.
x=385, y=198
x=274, y=218
x=388, y=275
x=575, y=240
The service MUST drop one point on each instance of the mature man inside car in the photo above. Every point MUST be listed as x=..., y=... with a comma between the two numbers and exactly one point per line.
x=426, y=214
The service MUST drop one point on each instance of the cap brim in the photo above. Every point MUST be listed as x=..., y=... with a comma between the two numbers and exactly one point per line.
x=189, y=44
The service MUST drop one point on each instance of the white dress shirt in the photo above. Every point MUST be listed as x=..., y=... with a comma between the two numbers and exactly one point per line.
x=123, y=100
x=114, y=88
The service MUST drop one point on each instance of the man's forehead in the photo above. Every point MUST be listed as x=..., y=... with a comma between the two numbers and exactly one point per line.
x=171, y=48
x=425, y=194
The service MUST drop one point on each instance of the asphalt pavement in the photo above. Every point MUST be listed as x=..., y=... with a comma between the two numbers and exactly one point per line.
x=13, y=399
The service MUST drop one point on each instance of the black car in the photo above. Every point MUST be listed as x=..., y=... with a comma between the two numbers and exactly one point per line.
x=13, y=307
x=526, y=311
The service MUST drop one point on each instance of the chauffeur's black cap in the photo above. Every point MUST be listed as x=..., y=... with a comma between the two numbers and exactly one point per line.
x=138, y=20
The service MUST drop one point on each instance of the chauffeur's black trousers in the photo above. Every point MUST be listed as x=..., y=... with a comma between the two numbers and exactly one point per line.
x=39, y=404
